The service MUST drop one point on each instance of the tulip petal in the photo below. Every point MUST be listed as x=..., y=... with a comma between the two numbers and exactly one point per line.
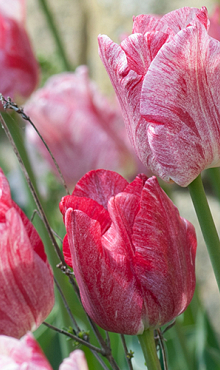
x=5, y=196
x=75, y=361
x=182, y=133
x=23, y=273
x=165, y=247
x=147, y=23
x=123, y=209
x=184, y=17
x=136, y=186
x=89, y=206
x=14, y=9
x=103, y=280
x=36, y=242
x=100, y=185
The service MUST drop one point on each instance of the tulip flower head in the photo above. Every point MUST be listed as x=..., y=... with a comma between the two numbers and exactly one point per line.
x=75, y=361
x=166, y=75
x=132, y=254
x=26, y=279
x=22, y=354
x=79, y=125
x=19, y=69
x=25, y=354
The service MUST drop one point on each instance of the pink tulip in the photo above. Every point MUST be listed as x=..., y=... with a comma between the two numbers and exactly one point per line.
x=75, y=361
x=82, y=129
x=132, y=254
x=26, y=279
x=19, y=69
x=24, y=354
x=166, y=78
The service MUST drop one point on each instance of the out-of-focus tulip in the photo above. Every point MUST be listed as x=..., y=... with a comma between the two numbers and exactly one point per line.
x=26, y=279
x=82, y=129
x=19, y=69
x=75, y=361
x=22, y=354
x=25, y=354
x=166, y=78
x=214, y=28
x=132, y=254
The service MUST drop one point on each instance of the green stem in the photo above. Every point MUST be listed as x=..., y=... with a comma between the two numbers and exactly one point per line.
x=55, y=33
x=181, y=341
x=149, y=349
x=207, y=224
x=214, y=177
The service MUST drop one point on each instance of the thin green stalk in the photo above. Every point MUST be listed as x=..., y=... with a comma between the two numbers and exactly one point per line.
x=214, y=177
x=181, y=341
x=207, y=224
x=149, y=349
x=55, y=33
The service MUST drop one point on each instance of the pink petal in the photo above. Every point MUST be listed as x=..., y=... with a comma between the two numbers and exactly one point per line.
x=20, y=72
x=147, y=23
x=14, y=9
x=106, y=283
x=23, y=273
x=100, y=185
x=136, y=186
x=123, y=209
x=181, y=134
x=22, y=354
x=75, y=361
x=127, y=83
x=165, y=247
x=88, y=206
x=66, y=251
x=5, y=196
x=184, y=17
x=214, y=29
x=36, y=242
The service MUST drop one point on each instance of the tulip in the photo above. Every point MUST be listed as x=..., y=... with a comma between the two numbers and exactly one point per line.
x=80, y=127
x=26, y=279
x=166, y=78
x=75, y=361
x=26, y=354
x=22, y=354
x=132, y=254
x=19, y=69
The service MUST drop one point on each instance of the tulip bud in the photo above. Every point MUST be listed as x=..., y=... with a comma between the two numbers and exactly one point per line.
x=19, y=69
x=132, y=254
x=166, y=75
x=80, y=127
x=26, y=279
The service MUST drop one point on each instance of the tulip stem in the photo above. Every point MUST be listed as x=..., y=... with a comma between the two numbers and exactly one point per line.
x=207, y=225
x=149, y=349
x=55, y=33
